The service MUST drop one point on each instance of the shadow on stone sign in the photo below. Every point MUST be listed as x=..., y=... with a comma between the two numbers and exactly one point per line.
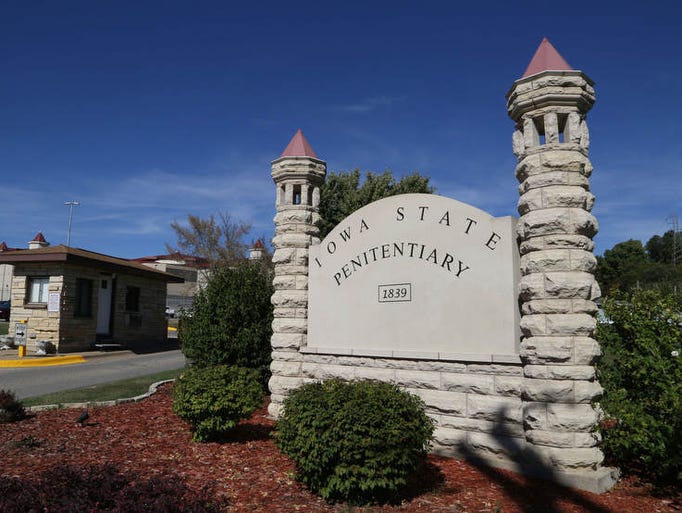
x=537, y=490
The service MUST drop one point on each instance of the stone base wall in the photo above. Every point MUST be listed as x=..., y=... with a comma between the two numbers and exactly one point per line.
x=475, y=406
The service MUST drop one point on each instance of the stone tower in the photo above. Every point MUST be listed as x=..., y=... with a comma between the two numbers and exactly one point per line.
x=557, y=289
x=298, y=175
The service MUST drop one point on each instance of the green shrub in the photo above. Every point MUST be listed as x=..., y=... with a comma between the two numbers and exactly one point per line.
x=230, y=320
x=10, y=408
x=641, y=372
x=214, y=399
x=356, y=442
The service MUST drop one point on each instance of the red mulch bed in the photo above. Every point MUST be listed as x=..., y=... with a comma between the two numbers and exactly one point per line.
x=148, y=438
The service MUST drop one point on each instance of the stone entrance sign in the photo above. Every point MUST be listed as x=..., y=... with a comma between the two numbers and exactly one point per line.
x=416, y=276
x=421, y=291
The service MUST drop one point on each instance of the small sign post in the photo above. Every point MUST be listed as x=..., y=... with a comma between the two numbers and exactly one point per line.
x=20, y=330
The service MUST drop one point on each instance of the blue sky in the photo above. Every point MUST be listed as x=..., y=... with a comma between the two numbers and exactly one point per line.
x=147, y=111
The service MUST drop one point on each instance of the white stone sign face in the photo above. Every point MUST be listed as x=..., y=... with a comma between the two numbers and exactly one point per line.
x=416, y=276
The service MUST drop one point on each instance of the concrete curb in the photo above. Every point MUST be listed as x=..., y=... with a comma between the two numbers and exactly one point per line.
x=45, y=361
x=96, y=404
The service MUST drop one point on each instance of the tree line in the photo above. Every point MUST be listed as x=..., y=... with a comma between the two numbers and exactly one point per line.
x=631, y=265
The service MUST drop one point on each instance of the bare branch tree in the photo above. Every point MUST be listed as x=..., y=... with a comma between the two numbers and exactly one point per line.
x=220, y=241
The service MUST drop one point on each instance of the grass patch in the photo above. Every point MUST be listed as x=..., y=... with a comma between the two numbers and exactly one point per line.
x=4, y=328
x=105, y=392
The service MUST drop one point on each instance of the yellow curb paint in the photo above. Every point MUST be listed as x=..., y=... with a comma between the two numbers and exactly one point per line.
x=44, y=362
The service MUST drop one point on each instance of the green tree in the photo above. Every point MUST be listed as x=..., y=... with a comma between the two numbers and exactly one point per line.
x=219, y=239
x=662, y=248
x=342, y=193
x=230, y=319
x=621, y=267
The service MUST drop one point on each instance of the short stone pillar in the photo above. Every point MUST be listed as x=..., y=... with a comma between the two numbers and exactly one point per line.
x=298, y=176
x=557, y=287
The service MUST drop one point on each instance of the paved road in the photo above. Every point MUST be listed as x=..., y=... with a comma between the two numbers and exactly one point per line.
x=101, y=368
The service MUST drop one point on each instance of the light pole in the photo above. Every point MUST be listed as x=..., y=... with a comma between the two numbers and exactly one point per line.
x=71, y=204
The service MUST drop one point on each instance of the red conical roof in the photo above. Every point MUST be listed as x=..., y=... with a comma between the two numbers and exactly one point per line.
x=39, y=238
x=298, y=147
x=3, y=246
x=546, y=58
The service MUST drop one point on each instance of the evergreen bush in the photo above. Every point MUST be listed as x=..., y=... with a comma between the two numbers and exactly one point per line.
x=214, y=399
x=230, y=322
x=641, y=372
x=11, y=409
x=356, y=442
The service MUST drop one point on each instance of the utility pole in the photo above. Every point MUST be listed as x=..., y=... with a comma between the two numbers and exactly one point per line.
x=674, y=221
x=70, y=204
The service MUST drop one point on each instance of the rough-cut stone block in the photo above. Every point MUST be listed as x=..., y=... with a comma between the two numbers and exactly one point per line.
x=375, y=373
x=571, y=325
x=571, y=417
x=282, y=385
x=440, y=366
x=563, y=439
x=480, y=426
x=495, y=369
x=567, y=196
x=284, y=282
x=289, y=325
x=295, y=216
x=470, y=383
x=290, y=298
x=547, y=306
x=584, y=306
x=546, y=261
x=551, y=221
x=553, y=179
x=450, y=403
x=531, y=286
x=417, y=379
x=568, y=284
x=450, y=437
x=534, y=325
x=541, y=350
x=287, y=355
x=548, y=390
x=283, y=255
x=556, y=241
x=325, y=372
x=582, y=458
x=587, y=391
x=498, y=443
x=535, y=415
x=494, y=408
x=586, y=350
x=561, y=372
x=284, y=368
x=287, y=340
x=508, y=386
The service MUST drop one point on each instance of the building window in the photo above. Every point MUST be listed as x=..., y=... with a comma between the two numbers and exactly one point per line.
x=83, y=298
x=132, y=299
x=37, y=289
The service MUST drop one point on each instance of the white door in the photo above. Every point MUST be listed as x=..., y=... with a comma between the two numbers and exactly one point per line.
x=104, y=305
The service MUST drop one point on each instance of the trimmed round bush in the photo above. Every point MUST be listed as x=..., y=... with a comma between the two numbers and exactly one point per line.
x=11, y=409
x=357, y=442
x=214, y=399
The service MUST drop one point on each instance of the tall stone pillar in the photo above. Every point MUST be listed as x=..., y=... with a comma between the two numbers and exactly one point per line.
x=557, y=289
x=298, y=176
